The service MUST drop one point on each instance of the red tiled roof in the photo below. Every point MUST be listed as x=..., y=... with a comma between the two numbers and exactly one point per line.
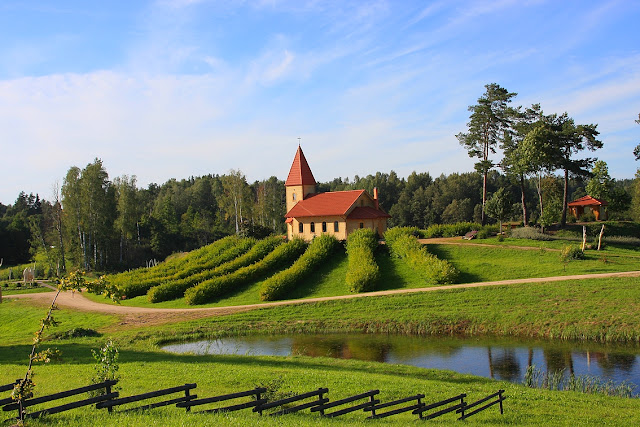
x=325, y=204
x=588, y=201
x=300, y=172
x=367, y=212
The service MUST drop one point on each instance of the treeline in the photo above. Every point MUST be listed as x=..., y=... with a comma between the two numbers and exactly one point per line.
x=97, y=223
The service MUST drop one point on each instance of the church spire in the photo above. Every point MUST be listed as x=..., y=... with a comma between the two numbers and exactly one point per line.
x=300, y=172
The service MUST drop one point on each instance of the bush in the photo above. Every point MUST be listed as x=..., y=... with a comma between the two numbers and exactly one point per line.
x=215, y=254
x=212, y=289
x=394, y=233
x=278, y=285
x=531, y=233
x=449, y=230
x=571, y=253
x=406, y=247
x=362, y=270
x=176, y=289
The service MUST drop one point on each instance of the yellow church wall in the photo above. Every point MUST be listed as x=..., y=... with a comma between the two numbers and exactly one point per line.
x=345, y=227
x=293, y=229
x=295, y=193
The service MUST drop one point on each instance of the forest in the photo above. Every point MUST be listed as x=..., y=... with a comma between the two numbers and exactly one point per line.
x=103, y=224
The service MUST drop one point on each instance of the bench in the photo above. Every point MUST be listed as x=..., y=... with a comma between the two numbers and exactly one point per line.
x=256, y=392
x=499, y=400
x=470, y=235
x=276, y=403
x=369, y=394
x=109, y=404
x=458, y=406
x=56, y=396
x=418, y=398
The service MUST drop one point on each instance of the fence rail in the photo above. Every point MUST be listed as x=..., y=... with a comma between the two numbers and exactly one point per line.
x=319, y=403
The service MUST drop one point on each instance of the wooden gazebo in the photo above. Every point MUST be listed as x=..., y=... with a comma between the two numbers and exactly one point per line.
x=597, y=206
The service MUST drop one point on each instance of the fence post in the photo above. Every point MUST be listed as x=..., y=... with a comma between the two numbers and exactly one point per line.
x=500, y=397
x=186, y=395
x=258, y=398
x=462, y=405
x=108, y=389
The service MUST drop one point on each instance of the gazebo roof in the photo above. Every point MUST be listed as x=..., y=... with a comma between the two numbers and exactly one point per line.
x=588, y=201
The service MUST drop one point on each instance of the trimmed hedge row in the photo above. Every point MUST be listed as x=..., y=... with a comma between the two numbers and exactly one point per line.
x=403, y=244
x=136, y=286
x=173, y=264
x=201, y=269
x=212, y=289
x=276, y=286
x=176, y=289
x=449, y=230
x=170, y=266
x=362, y=270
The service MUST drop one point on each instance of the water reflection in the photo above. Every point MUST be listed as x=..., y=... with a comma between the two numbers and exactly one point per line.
x=499, y=359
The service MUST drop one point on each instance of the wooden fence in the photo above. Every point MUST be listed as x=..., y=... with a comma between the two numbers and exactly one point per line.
x=315, y=401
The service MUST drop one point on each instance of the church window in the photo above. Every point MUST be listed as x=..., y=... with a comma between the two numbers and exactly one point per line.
x=300, y=228
x=362, y=225
x=336, y=227
x=313, y=227
x=324, y=227
x=294, y=197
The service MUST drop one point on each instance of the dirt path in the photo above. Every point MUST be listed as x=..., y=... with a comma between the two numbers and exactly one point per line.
x=141, y=316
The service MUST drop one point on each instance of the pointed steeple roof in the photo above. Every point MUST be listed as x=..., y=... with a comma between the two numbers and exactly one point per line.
x=300, y=173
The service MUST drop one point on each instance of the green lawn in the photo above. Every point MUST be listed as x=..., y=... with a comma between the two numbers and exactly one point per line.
x=587, y=309
x=479, y=263
x=475, y=263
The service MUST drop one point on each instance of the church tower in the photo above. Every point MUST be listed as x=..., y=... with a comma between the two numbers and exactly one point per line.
x=300, y=181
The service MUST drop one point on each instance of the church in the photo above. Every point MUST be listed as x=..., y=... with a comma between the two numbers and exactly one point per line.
x=338, y=213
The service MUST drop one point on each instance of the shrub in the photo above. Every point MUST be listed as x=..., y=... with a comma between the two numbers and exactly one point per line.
x=394, y=233
x=531, y=233
x=217, y=253
x=449, y=230
x=571, y=252
x=362, y=270
x=276, y=286
x=432, y=269
x=176, y=289
x=212, y=289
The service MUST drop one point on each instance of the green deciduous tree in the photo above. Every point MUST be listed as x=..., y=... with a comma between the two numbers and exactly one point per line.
x=499, y=206
x=490, y=120
x=601, y=183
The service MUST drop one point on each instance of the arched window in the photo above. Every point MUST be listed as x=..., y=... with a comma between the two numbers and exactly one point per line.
x=324, y=227
x=336, y=226
x=293, y=197
x=362, y=225
x=300, y=228
x=313, y=227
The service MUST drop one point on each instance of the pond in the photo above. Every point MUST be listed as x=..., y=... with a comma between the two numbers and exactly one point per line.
x=493, y=358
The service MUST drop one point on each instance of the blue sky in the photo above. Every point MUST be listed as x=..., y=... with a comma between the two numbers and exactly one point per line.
x=177, y=88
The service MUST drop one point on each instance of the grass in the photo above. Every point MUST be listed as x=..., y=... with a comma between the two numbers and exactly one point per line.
x=558, y=244
x=19, y=319
x=477, y=264
x=524, y=406
x=588, y=309
x=15, y=290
